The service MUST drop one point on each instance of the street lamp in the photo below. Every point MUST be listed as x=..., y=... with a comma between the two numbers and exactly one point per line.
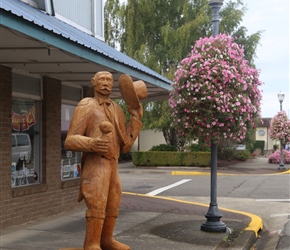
x=215, y=6
x=213, y=216
x=281, y=96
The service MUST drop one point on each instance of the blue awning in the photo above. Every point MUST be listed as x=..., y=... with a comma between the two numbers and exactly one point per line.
x=35, y=23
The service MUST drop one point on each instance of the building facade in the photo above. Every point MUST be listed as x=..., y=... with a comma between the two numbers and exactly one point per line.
x=49, y=52
x=262, y=134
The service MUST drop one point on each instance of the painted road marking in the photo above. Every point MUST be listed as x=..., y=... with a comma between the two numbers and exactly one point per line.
x=274, y=200
x=221, y=174
x=280, y=215
x=160, y=190
x=284, y=172
x=195, y=173
x=275, y=233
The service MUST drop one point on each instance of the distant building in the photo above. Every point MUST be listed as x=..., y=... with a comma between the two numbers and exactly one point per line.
x=147, y=139
x=262, y=134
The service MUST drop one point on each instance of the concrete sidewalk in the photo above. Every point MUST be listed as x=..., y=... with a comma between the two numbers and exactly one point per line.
x=150, y=222
x=144, y=223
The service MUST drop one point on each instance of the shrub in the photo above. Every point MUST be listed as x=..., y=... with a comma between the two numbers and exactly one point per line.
x=242, y=155
x=226, y=154
x=275, y=147
x=275, y=157
x=151, y=158
x=125, y=157
x=199, y=148
x=163, y=147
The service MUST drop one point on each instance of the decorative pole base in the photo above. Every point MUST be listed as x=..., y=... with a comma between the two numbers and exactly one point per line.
x=281, y=166
x=213, y=226
x=213, y=223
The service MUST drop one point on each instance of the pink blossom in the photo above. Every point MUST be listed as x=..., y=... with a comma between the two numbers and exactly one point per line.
x=275, y=157
x=224, y=89
x=280, y=127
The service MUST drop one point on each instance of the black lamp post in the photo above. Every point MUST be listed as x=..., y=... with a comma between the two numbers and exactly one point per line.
x=213, y=216
x=281, y=96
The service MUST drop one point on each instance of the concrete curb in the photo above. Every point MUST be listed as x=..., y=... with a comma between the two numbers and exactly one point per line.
x=255, y=225
x=244, y=241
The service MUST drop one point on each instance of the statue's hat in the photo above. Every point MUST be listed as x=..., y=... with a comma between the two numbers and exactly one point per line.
x=132, y=92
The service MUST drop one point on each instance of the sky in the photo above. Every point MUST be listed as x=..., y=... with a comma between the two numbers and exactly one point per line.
x=272, y=17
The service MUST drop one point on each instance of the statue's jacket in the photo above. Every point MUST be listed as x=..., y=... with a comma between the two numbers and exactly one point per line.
x=85, y=126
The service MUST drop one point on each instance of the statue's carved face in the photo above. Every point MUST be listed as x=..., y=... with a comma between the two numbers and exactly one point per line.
x=103, y=83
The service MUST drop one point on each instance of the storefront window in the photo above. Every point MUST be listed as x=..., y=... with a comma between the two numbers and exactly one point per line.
x=70, y=160
x=25, y=163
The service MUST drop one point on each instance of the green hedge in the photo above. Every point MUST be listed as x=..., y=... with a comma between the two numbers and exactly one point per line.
x=166, y=158
x=163, y=147
x=260, y=145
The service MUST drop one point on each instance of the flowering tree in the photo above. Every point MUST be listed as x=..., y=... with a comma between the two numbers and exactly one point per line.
x=280, y=127
x=215, y=92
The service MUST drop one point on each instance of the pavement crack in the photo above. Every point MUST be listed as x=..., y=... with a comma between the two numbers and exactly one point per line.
x=235, y=188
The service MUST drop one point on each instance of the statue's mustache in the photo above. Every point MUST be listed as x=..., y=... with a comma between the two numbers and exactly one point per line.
x=105, y=88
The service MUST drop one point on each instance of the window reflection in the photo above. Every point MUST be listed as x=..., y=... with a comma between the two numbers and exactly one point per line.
x=25, y=162
x=70, y=161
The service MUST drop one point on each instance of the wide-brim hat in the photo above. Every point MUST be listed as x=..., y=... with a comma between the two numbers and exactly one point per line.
x=132, y=92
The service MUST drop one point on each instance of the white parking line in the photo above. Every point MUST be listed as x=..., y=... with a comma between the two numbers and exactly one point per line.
x=275, y=232
x=279, y=215
x=160, y=190
x=274, y=200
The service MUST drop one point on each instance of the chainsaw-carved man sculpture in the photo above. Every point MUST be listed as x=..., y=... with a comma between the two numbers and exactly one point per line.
x=99, y=130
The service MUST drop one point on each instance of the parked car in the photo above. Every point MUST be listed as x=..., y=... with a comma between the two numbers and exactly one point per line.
x=21, y=148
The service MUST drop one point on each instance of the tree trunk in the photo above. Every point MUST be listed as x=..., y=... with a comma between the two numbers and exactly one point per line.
x=170, y=136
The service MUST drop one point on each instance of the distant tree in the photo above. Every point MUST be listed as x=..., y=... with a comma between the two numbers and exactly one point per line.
x=113, y=26
x=160, y=33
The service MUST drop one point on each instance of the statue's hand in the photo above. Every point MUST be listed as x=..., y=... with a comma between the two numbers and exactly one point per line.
x=99, y=145
x=137, y=113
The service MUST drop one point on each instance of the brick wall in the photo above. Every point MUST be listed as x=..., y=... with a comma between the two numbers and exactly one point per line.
x=51, y=123
x=33, y=203
x=5, y=143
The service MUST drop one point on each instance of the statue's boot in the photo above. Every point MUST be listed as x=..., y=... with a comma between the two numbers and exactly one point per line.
x=107, y=240
x=93, y=233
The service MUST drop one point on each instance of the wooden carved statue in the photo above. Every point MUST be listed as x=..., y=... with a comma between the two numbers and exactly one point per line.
x=99, y=130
